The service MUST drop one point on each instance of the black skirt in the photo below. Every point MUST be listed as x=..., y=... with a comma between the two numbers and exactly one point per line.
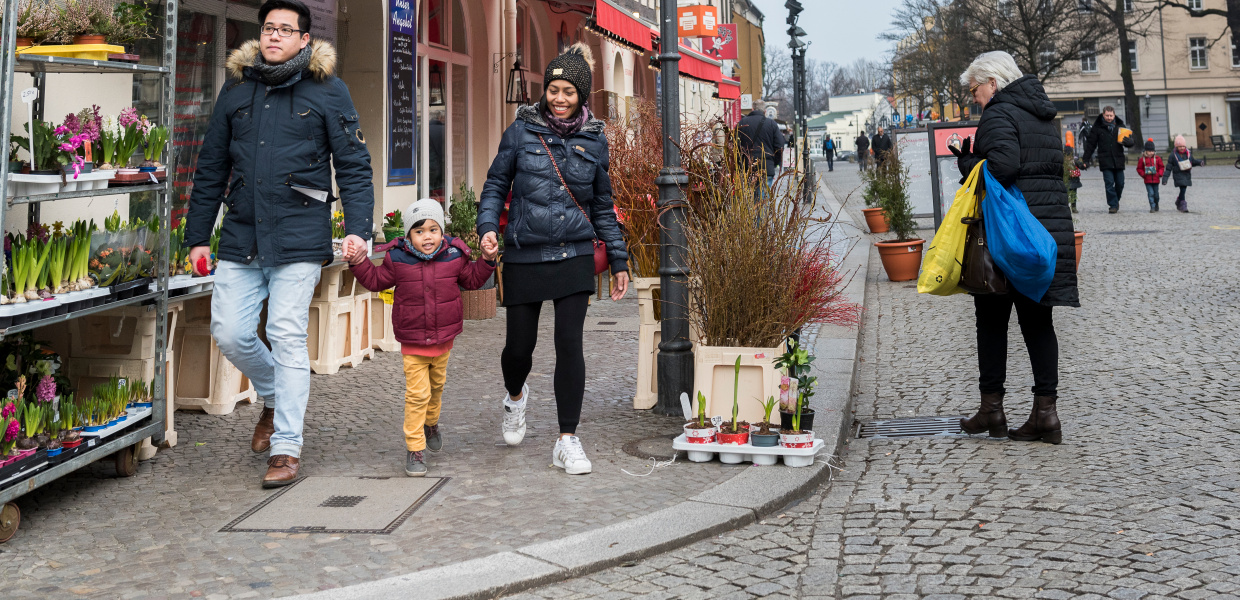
x=525, y=283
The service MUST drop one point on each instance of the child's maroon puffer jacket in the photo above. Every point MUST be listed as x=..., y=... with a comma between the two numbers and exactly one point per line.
x=427, y=302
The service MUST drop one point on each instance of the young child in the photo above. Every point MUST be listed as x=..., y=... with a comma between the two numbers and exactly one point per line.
x=1071, y=175
x=426, y=268
x=1179, y=170
x=1150, y=169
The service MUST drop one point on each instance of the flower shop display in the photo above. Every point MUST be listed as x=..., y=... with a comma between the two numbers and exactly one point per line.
x=796, y=362
x=479, y=304
x=902, y=256
x=393, y=226
x=85, y=29
x=36, y=20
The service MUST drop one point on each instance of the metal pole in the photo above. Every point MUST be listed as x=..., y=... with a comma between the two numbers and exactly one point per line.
x=675, y=349
x=8, y=62
x=807, y=183
x=163, y=211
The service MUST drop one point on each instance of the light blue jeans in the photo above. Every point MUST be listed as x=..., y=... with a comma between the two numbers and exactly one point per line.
x=281, y=375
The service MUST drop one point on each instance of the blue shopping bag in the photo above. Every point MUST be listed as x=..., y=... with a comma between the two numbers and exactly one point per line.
x=1021, y=247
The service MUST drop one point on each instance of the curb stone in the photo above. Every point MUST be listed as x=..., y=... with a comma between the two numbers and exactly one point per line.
x=737, y=502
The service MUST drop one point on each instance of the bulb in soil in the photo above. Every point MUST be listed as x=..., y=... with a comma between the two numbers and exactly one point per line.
x=31, y=295
x=18, y=299
x=3, y=299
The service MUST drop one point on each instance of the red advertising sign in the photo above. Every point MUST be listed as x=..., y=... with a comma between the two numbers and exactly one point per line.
x=725, y=42
x=952, y=137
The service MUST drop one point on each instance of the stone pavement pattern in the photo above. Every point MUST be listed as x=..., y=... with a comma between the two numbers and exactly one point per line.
x=1141, y=501
x=156, y=535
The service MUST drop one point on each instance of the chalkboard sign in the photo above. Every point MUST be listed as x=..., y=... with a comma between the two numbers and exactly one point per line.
x=402, y=115
x=946, y=169
x=914, y=153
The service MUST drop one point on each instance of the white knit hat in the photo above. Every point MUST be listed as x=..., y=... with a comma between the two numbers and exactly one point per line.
x=425, y=208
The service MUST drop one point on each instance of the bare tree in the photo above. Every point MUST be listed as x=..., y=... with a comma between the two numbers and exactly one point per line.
x=932, y=49
x=1128, y=19
x=777, y=78
x=818, y=80
x=861, y=75
x=1046, y=37
x=1231, y=13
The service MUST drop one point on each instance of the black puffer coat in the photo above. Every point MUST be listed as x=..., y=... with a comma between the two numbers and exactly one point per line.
x=1018, y=138
x=272, y=140
x=1112, y=154
x=544, y=225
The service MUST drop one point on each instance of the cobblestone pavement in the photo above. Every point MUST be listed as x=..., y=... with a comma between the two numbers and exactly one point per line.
x=1142, y=500
x=156, y=535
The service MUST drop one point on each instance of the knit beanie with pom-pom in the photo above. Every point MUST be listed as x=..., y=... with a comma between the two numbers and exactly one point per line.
x=575, y=65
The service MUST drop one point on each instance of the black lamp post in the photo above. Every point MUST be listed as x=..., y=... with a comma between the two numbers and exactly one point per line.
x=800, y=100
x=676, y=350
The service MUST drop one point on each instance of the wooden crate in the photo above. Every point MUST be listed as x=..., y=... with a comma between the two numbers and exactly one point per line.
x=205, y=380
x=382, y=334
x=333, y=336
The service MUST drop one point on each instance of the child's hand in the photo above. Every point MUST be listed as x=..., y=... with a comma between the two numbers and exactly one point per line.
x=357, y=254
x=490, y=248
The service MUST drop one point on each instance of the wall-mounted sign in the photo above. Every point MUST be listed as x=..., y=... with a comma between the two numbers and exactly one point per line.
x=402, y=111
x=725, y=42
x=697, y=21
x=746, y=102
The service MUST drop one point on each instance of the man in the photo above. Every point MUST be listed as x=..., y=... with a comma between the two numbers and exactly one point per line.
x=282, y=122
x=828, y=150
x=863, y=150
x=1112, y=154
x=762, y=142
x=881, y=145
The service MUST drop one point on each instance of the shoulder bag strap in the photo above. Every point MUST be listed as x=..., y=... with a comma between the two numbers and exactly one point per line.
x=561, y=176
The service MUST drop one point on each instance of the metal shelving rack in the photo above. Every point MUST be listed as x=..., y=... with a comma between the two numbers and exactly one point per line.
x=40, y=66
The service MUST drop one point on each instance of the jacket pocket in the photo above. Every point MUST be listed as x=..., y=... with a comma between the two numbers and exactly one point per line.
x=582, y=165
x=304, y=221
x=535, y=160
x=234, y=191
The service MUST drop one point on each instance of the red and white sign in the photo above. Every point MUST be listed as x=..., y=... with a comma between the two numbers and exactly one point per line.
x=725, y=42
x=697, y=21
x=943, y=138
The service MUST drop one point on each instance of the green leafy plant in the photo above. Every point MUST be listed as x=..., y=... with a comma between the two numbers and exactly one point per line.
x=156, y=139
x=130, y=22
x=767, y=408
x=797, y=362
x=894, y=200
x=36, y=19
x=701, y=409
x=736, y=388
x=463, y=218
x=83, y=17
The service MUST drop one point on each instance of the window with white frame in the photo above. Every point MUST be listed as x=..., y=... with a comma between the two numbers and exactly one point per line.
x=1198, y=53
x=1084, y=6
x=1007, y=8
x=1128, y=6
x=1235, y=52
x=1046, y=57
x=1089, y=58
x=1133, y=63
x=1194, y=4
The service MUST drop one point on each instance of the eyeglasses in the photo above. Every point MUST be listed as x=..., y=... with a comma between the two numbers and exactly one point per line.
x=972, y=90
x=284, y=31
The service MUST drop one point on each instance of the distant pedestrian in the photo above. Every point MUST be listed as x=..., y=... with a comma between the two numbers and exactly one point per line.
x=428, y=270
x=863, y=150
x=1179, y=170
x=828, y=150
x=1018, y=138
x=881, y=144
x=762, y=142
x=1071, y=175
x=1104, y=137
x=1150, y=168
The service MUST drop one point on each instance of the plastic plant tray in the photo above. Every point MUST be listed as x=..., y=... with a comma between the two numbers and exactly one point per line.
x=83, y=51
x=131, y=416
x=758, y=455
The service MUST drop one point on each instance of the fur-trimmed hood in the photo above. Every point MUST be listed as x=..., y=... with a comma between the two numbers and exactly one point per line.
x=322, y=59
x=530, y=114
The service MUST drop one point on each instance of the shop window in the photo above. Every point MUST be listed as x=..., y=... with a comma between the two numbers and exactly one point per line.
x=437, y=129
x=460, y=123
x=460, y=42
x=443, y=100
x=1198, y=53
x=436, y=23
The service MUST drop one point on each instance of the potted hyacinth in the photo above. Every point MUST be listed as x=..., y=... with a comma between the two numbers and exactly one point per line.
x=761, y=434
x=700, y=430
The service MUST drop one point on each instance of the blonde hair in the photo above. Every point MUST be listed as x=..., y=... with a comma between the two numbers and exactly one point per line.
x=997, y=65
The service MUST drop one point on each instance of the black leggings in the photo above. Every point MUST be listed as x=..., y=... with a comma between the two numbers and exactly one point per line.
x=993, y=312
x=570, y=360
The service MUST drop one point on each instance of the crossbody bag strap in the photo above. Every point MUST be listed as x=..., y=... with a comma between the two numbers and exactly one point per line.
x=561, y=176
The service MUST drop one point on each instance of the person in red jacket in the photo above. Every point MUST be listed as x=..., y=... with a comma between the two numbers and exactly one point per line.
x=426, y=267
x=1150, y=168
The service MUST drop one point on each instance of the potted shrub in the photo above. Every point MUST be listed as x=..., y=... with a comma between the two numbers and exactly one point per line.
x=875, y=221
x=762, y=268
x=902, y=256
x=462, y=223
x=761, y=434
x=84, y=22
x=700, y=430
x=130, y=22
x=796, y=361
x=36, y=20
x=393, y=226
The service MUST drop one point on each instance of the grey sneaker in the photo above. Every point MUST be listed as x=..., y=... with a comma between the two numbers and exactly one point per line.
x=434, y=443
x=415, y=465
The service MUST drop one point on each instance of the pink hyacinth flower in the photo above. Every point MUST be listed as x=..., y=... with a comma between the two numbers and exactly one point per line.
x=11, y=433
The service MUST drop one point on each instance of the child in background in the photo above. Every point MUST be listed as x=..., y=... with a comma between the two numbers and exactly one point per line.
x=1179, y=170
x=425, y=267
x=1071, y=174
x=1150, y=169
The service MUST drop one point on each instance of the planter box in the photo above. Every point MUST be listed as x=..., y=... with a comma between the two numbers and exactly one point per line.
x=646, y=287
x=32, y=185
x=18, y=314
x=713, y=377
x=362, y=321
x=478, y=305
x=648, y=337
x=125, y=332
x=758, y=455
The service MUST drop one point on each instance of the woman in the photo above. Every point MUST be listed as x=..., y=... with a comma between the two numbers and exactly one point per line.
x=553, y=158
x=1020, y=143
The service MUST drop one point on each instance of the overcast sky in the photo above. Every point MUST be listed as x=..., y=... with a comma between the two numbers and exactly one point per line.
x=841, y=30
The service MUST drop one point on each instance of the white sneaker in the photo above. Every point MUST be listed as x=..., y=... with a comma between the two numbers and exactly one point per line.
x=514, y=417
x=570, y=456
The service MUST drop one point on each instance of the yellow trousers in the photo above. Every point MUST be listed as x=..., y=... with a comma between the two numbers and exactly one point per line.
x=424, y=379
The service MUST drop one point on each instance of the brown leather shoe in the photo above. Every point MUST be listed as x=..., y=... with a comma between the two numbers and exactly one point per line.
x=263, y=430
x=1043, y=424
x=989, y=418
x=281, y=471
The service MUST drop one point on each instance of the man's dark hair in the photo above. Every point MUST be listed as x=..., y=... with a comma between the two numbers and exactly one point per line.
x=1107, y=109
x=303, y=13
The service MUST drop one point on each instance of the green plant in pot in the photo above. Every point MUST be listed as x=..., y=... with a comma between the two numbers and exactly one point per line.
x=393, y=226
x=901, y=256
x=700, y=430
x=463, y=218
x=797, y=362
x=764, y=436
x=36, y=20
x=736, y=431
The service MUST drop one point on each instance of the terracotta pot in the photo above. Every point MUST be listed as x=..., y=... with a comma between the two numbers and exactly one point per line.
x=699, y=436
x=478, y=305
x=875, y=220
x=24, y=42
x=1080, y=240
x=901, y=260
x=81, y=40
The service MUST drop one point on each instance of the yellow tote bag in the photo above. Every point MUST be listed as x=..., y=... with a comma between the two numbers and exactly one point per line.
x=940, y=270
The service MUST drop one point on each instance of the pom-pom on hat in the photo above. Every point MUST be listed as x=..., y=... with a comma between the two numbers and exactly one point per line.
x=425, y=208
x=575, y=65
x=1149, y=145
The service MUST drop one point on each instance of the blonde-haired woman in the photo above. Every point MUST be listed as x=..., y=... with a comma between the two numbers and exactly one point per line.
x=553, y=159
x=1018, y=139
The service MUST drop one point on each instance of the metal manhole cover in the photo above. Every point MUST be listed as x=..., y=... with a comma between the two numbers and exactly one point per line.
x=1131, y=232
x=375, y=505
x=906, y=427
x=658, y=447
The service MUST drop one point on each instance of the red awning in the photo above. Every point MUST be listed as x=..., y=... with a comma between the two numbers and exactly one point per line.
x=622, y=24
x=729, y=89
x=697, y=66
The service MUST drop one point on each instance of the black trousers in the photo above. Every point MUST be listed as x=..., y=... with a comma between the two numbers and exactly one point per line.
x=569, y=380
x=993, y=312
x=830, y=159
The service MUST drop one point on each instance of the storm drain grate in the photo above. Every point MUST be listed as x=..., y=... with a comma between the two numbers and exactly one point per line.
x=375, y=505
x=1131, y=232
x=906, y=427
x=614, y=324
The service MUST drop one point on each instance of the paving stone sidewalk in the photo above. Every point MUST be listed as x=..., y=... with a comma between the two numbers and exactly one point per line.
x=1142, y=500
x=156, y=535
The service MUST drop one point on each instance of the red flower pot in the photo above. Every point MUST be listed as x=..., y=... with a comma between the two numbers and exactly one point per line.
x=875, y=220
x=741, y=436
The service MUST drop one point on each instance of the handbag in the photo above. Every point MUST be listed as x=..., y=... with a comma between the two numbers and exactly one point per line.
x=978, y=273
x=600, y=249
x=1019, y=244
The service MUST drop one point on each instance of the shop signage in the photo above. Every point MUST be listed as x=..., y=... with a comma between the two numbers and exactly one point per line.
x=323, y=19
x=402, y=112
x=697, y=21
x=725, y=42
